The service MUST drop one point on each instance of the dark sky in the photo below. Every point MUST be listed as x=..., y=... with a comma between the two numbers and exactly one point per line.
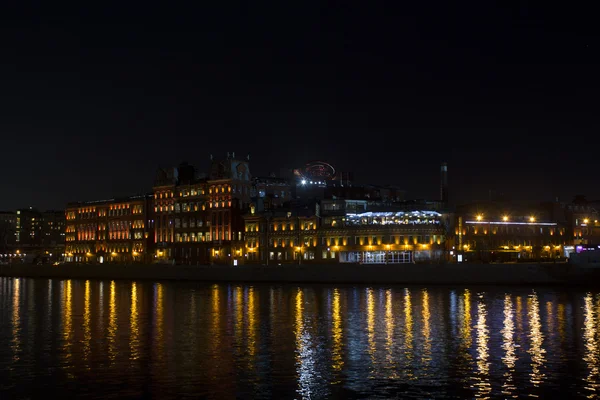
x=92, y=101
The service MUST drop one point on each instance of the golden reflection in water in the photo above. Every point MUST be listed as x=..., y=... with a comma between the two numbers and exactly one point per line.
x=519, y=316
x=508, y=345
x=550, y=317
x=251, y=322
x=16, y=319
x=466, y=323
x=562, y=321
x=67, y=322
x=112, y=322
x=371, y=324
x=336, y=332
x=389, y=329
x=160, y=314
x=408, y=332
x=426, y=331
x=87, y=330
x=483, y=355
x=536, y=338
x=134, y=330
x=49, y=297
x=215, y=337
x=239, y=316
x=591, y=346
x=304, y=359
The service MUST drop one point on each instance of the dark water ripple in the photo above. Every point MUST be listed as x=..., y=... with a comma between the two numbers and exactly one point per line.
x=104, y=339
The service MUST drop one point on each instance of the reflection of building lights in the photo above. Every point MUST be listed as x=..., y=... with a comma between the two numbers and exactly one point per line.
x=508, y=345
x=337, y=332
x=591, y=345
x=408, y=331
x=483, y=364
x=535, y=334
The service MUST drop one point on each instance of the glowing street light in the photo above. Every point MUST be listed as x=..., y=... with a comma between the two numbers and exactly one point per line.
x=479, y=217
x=505, y=218
x=585, y=221
x=531, y=219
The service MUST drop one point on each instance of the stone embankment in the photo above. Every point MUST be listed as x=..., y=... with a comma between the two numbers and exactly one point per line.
x=484, y=274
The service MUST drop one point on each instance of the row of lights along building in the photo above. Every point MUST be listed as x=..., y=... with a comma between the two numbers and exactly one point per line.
x=312, y=215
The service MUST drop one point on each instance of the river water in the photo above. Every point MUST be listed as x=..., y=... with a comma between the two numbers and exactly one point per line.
x=118, y=339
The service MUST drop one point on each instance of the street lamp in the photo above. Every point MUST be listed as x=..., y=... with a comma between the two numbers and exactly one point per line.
x=505, y=218
x=479, y=217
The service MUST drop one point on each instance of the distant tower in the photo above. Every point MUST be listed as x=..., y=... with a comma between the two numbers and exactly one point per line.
x=444, y=183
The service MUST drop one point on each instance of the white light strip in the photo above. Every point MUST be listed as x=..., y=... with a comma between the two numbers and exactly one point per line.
x=510, y=223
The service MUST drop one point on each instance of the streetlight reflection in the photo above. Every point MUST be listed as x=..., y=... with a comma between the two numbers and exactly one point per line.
x=537, y=338
x=508, y=344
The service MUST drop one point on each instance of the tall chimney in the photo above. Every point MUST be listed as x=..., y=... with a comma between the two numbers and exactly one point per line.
x=444, y=183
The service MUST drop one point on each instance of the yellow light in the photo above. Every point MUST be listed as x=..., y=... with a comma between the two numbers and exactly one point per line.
x=479, y=217
x=18, y=251
x=505, y=218
x=531, y=219
x=585, y=221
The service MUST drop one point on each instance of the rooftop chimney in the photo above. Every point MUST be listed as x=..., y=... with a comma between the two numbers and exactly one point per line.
x=444, y=183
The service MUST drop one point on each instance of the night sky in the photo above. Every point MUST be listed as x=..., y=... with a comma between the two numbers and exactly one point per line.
x=93, y=101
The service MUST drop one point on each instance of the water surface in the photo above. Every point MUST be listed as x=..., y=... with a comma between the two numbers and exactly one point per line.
x=103, y=339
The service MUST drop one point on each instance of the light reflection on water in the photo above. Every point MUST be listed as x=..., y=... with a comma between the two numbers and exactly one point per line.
x=170, y=340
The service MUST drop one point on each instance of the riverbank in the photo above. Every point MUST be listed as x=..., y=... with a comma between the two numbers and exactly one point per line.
x=482, y=274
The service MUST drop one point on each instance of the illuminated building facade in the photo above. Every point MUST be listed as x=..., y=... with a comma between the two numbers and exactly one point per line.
x=357, y=231
x=502, y=232
x=198, y=217
x=181, y=229
x=286, y=235
x=229, y=191
x=344, y=231
x=110, y=231
x=582, y=221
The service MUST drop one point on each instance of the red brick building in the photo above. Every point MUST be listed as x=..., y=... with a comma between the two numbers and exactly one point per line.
x=110, y=231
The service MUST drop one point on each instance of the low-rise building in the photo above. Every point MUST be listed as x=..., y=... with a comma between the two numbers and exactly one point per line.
x=497, y=231
x=284, y=235
x=343, y=231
